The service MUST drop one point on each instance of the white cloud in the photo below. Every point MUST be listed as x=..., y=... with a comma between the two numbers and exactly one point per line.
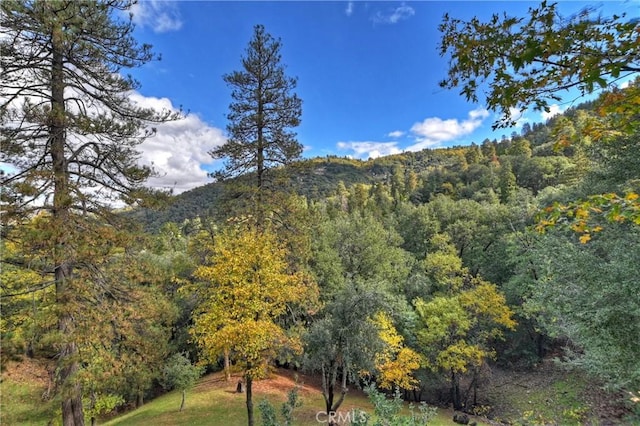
x=178, y=149
x=429, y=133
x=435, y=130
x=369, y=149
x=518, y=117
x=480, y=113
x=396, y=134
x=554, y=109
x=7, y=168
x=349, y=10
x=160, y=16
x=393, y=16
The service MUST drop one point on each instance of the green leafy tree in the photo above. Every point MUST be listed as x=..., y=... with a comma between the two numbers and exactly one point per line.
x=344, y=342
x=519, y=147
x=416, y=225
x=459, y=322
x=588, y=294
x=398, y=185
x=506, y=182
x=179, y=373
x=473, y=154
x=262, y=114
x=523, y=62
x=70, y=129
x=268, y=412
x=357, y=247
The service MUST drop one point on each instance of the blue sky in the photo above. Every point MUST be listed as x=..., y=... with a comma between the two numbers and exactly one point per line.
x=367, y=73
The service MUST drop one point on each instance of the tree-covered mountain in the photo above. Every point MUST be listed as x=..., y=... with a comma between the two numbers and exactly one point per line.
x=535, y=157
x=424, y=271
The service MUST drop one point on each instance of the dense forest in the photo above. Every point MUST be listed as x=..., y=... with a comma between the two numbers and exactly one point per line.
x=420, y=271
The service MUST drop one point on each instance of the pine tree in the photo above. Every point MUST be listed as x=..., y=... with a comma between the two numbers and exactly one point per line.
x=261, y=114
x=70, y=131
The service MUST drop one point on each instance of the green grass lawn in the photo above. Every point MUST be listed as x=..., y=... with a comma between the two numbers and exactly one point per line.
x=211, y=402
x=207, y=405
x=21, y=403
x=558, y=403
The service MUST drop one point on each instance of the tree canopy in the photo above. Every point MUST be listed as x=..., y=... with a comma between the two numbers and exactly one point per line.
x=248, y=288
x=70, y=129
x=262, y=114
x=519, y=62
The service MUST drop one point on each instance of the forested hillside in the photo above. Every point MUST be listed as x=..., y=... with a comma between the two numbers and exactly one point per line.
x=418, y=275
x=534, y=154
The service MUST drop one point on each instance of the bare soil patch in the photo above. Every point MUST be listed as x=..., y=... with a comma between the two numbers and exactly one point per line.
x=29, y=371
x=279, y=383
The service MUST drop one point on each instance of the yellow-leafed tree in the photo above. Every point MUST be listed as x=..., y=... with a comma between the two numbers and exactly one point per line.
x=462, y=319
x=248, y=286
x=396, y=362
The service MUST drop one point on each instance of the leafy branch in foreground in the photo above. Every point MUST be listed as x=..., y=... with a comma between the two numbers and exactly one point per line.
x=586, y=217
x=532, y=61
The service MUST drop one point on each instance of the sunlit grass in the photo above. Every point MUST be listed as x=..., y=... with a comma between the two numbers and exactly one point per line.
x=206, y=405
x=211, y=402
x=21, y=403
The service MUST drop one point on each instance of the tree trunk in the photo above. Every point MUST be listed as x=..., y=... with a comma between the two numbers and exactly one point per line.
x=343, y=391
x=249, y=381
x=455, y=391
x=260, y=142
x=227, y=366
x=182, y=403
x=328, y=382
x=93, y=406
x=329, y=398
x=72, y=413
x=140, y=399
x=540, y=345
x=475, y=392
x=260, y=213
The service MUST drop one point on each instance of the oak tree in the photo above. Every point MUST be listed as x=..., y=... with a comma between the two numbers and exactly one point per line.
x=587, y=294
x=395, y=363
x=522, y=62
x=344, y=341
x=462, y=318
x=249, y=287
x=180, y=374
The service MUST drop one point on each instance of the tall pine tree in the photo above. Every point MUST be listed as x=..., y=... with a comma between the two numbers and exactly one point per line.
x=262, y=114
x=70, y=131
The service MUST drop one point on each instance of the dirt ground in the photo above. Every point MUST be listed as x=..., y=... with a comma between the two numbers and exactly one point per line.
x=276, y=384
x=33, y=371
